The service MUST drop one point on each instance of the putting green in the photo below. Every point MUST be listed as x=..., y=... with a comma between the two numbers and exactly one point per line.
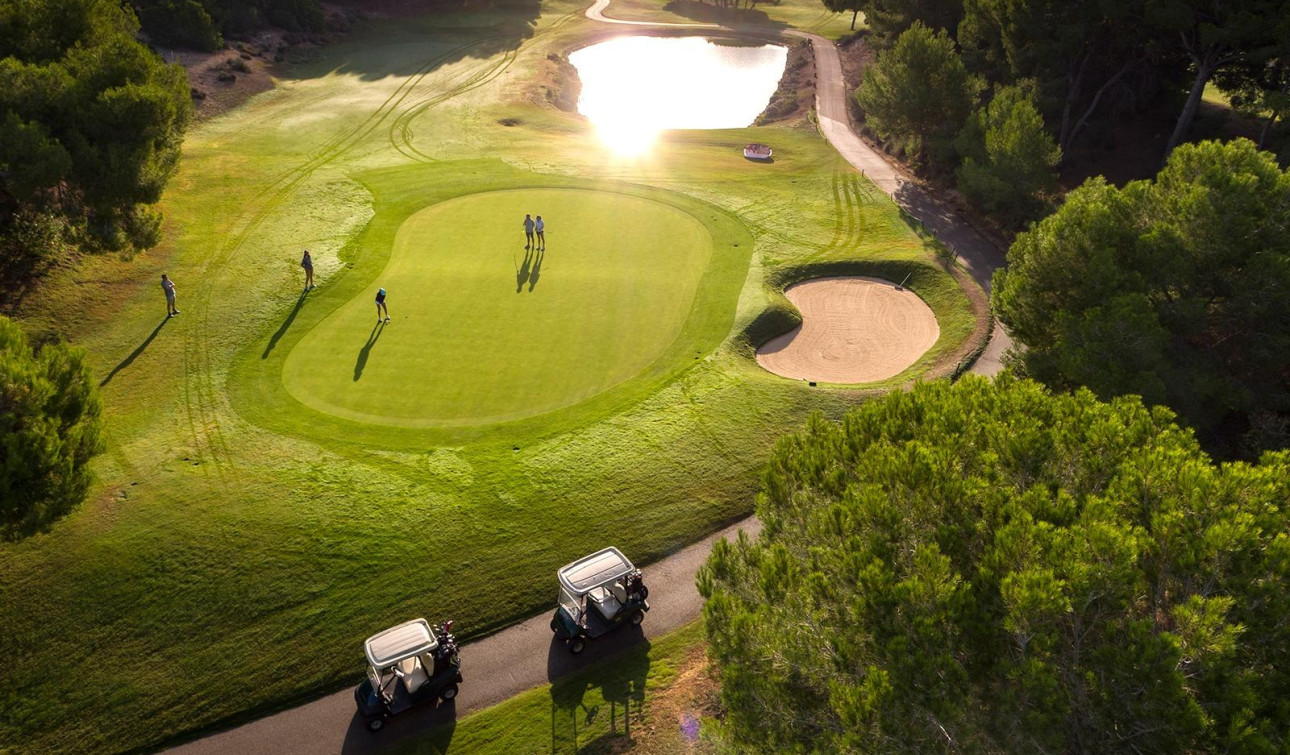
x=483, y=331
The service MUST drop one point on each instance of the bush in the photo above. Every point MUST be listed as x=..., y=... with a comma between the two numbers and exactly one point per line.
x=1009, y=159
x=917, y=95
x=29, y=239
x=50, y=427
x=179, y=23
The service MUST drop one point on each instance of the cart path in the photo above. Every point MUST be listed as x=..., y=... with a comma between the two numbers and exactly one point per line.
x=494, y=669
x=525, y=656
x=978, y=255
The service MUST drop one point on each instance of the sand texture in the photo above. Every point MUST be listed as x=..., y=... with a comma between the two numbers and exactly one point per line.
x=854, y=330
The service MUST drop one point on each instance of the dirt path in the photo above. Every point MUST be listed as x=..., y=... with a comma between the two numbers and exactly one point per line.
x=524, y=656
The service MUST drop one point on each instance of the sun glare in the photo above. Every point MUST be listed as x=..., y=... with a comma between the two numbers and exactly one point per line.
x=634, y=88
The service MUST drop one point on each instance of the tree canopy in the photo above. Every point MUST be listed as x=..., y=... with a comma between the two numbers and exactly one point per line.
x=201, y=24
x=1175, y=289
x=1009, y=158
x=988, y=567
x=888, y=19
x=50, y=428
x=90, y=120
x=918, y=94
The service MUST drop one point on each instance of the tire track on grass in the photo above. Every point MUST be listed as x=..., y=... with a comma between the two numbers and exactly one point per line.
x=200, y=392
x=402, y=134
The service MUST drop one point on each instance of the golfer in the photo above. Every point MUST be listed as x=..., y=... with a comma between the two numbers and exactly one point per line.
x=168, y=286
x=540, y=227
x=528, y=231
x=380, y=306
x=308, y=264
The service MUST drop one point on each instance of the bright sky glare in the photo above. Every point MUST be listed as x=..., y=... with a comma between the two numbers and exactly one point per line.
x=635, y=87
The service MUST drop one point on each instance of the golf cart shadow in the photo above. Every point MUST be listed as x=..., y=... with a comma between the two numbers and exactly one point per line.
x=432, y=725
x=597, y=696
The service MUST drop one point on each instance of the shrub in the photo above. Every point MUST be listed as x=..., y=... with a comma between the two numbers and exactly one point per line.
x=50, y=427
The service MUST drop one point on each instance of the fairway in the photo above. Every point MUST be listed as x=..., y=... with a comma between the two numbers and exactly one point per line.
x=283, y=479
x=484, y=331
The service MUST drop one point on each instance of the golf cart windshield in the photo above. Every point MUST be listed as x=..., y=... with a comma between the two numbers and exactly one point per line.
x=571, y=604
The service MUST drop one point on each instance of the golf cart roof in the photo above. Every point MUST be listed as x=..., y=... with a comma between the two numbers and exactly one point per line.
x=397, y=643
x=590, y=572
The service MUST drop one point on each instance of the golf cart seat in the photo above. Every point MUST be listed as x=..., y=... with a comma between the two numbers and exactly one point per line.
x=414, y=674
x=619, y=592
x=606, y=602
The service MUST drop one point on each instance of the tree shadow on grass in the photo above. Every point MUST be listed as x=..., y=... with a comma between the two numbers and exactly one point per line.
x=707, y=13
x=134, y=354
x=366, y=351
x=619, y=674
x=273, y=341
x=462, y=32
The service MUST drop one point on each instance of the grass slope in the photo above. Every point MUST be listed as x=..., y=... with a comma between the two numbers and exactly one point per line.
x=609, y=707
x=236, y=547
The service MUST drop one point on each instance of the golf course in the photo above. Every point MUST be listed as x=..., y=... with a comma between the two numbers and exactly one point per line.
x=285, y=475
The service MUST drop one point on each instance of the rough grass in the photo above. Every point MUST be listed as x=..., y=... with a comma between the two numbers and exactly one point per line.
x=237, y=548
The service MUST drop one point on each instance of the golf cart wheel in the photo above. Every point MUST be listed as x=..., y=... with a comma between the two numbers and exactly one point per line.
x=576, y=645
x=375, y=724
x=449, y=692
x=638, y=617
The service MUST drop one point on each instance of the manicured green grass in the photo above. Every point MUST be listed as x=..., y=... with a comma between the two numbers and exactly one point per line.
x=484, y=330
x=602, y=709
x=238, y=545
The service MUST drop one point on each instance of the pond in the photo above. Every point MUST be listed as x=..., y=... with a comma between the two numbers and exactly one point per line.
x=635, y=87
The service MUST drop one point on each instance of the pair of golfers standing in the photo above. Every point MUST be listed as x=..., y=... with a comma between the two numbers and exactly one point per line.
x=532, y=227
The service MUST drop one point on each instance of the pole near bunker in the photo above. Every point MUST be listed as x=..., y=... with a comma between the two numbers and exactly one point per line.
x=901, y=286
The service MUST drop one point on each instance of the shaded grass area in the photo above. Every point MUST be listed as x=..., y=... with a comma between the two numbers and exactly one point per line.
x=807, y=15
x=236, y=549
x=609, y=707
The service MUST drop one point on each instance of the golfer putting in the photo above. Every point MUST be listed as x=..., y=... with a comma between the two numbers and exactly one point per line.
x=380, y=307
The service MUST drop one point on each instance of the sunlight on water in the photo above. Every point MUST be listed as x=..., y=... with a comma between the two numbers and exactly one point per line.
x=635, y=87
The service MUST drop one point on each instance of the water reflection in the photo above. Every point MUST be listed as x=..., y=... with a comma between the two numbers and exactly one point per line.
x=635, y=87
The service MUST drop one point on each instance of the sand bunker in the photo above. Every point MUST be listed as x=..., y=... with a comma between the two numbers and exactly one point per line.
x=854, y=330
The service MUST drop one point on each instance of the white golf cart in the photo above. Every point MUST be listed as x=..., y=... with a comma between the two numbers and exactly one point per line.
x=407, y=665
x=598, y=593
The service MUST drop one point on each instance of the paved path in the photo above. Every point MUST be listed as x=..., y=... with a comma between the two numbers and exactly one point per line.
x=495, y=668
x=524, y=656
x=979, y=256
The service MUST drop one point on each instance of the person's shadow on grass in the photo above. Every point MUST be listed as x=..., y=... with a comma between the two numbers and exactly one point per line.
x=367, y=350
x=522, y=273
x=134, y=354
x=273, y=341
x=536, y=272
